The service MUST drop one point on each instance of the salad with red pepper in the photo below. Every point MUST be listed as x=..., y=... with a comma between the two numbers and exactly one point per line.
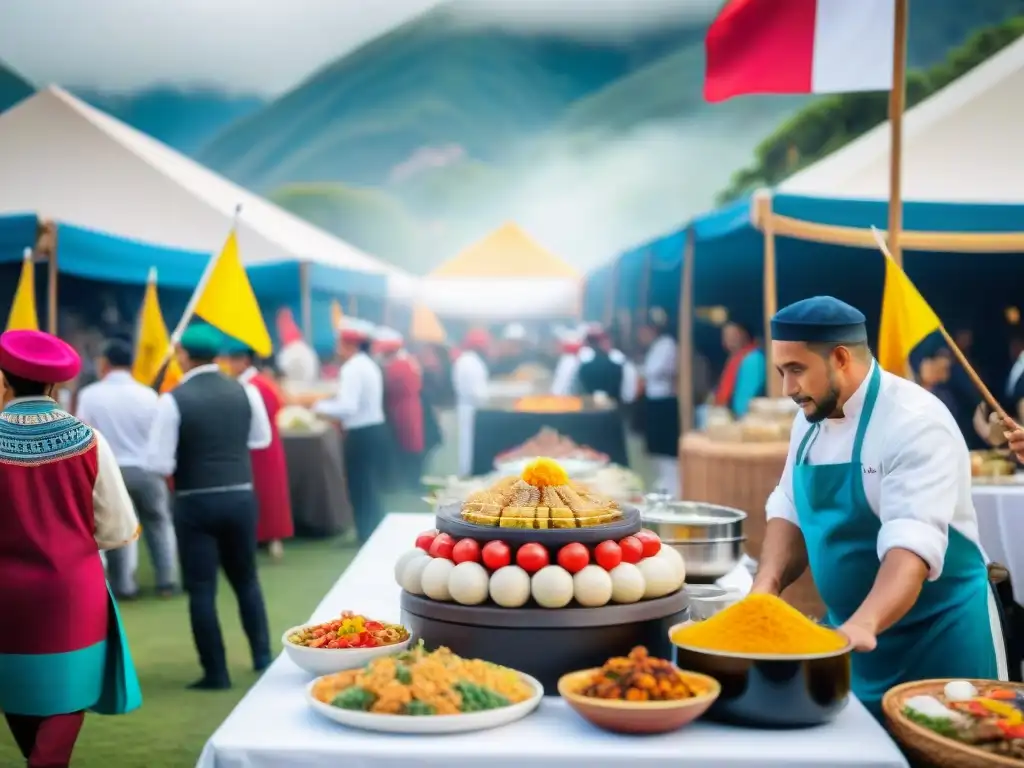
x=350, y=630
x=990, y=717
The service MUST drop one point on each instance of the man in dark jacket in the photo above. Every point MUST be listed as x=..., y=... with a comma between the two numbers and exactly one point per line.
x=201, y=437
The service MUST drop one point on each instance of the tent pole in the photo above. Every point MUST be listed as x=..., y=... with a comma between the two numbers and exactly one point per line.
x=686, y=351
x=897, y=106
x=645, y=288
x=306, y=301
x=773, y=385
x=47, y=243
x=609, y=301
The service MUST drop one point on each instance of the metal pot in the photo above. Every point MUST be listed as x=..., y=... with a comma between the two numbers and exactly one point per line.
x=708, y=536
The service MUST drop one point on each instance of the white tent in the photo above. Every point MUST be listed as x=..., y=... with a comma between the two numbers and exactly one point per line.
x=961, y=145
x=72, y=163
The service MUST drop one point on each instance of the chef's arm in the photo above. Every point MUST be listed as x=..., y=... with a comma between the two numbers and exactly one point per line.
x=783, y=550
x=783, y=557
x=922, y=476
x=896, y=588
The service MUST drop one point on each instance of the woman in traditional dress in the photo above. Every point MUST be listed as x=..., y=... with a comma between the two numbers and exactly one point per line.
x=62, y=647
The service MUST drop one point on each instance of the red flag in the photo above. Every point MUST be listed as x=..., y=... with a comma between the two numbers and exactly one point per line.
x=799, y=46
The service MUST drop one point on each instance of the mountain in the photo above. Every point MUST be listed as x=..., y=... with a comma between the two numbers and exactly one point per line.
x=183, y=118
x=13, y=87
x=592, y=145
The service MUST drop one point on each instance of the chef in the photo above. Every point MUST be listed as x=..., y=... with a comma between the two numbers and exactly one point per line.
x=563, y=382
x=296, y=359
x=470, y=377
x=403, y=405
x=359, y=407
x=876, y=498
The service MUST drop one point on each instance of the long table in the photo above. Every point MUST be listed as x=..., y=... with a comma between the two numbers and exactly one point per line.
x=273, y=726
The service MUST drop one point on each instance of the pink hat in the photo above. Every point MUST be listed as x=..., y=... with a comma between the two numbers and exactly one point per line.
x=38, y=356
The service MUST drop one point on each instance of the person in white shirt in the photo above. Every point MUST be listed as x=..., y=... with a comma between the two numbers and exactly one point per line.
x=470, y=378
x=876, y=498
x=202, y=435
x=661, y=417
x=563, y=383
x=123, y=411
x=358, y=406
x=602, y=368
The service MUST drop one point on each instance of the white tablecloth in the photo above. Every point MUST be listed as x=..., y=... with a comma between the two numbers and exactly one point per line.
x=272, y=727
x=1000, y=510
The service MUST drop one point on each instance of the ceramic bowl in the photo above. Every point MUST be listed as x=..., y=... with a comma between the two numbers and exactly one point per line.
x=327, y=661
x=636, y=717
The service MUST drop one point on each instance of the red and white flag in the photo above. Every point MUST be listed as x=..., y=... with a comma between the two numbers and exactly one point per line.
x=800, y=46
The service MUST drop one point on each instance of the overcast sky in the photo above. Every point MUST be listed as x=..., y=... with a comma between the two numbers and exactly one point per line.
x=263, y=46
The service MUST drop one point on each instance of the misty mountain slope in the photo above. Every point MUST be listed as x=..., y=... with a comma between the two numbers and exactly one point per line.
x=432, y=81
x=589, y=161
x=182, y=118
x=13, y=87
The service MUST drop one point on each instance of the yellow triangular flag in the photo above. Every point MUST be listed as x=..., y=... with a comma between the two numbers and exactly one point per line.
x=906, y=320
x=337, y=316
x=229, y=304
x=425, y=326
x=23, y=315
x=153, y=341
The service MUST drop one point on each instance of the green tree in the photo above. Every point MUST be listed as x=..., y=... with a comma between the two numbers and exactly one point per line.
x=830, y=122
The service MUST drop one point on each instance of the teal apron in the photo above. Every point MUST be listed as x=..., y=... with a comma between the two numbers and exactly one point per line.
x=946, y=634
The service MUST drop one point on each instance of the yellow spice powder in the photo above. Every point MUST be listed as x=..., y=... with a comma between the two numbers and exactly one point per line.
x=760, y=624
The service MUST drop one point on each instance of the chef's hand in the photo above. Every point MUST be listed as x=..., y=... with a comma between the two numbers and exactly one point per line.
x=862, y=638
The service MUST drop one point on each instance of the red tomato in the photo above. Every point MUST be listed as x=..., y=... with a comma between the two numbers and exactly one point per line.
x=466, y=551
x=608, y=554
x=632, y=549
x=573, y=557
x=496, y=554
x=650, y=542
x=442, y=546
x=532, y=557
x=425, y=539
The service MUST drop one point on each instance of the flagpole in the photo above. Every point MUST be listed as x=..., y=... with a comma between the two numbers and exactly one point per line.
x=897, y=106
x=957, y=353
x=190, y=308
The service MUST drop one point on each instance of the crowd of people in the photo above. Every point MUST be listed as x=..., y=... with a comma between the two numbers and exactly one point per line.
x=202, y=468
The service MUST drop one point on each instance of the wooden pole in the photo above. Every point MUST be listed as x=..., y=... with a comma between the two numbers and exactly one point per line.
x=773, y=384
x=686, y=352
x=50, y=235
x=306, y=302
x=645, y=289
x=897, y=106
x=609, y=300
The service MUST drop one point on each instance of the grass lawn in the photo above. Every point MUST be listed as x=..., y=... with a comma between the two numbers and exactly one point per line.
x=173, y=724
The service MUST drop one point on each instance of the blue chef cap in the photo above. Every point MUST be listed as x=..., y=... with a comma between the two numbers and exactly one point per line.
x=820, y=319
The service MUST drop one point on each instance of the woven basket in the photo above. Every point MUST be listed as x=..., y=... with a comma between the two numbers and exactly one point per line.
x=929, y=747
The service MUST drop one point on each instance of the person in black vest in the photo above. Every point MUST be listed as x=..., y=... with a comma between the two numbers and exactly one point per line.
x=605, y=369
x=201, y=437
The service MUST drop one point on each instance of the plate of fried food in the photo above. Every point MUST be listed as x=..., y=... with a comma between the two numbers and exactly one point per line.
x=425, y=692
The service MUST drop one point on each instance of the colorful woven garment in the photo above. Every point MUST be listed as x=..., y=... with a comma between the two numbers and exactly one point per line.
x=37, y=431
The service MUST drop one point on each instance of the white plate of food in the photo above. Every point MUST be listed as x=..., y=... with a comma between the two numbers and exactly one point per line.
x=343, y=643
x=469, y=695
